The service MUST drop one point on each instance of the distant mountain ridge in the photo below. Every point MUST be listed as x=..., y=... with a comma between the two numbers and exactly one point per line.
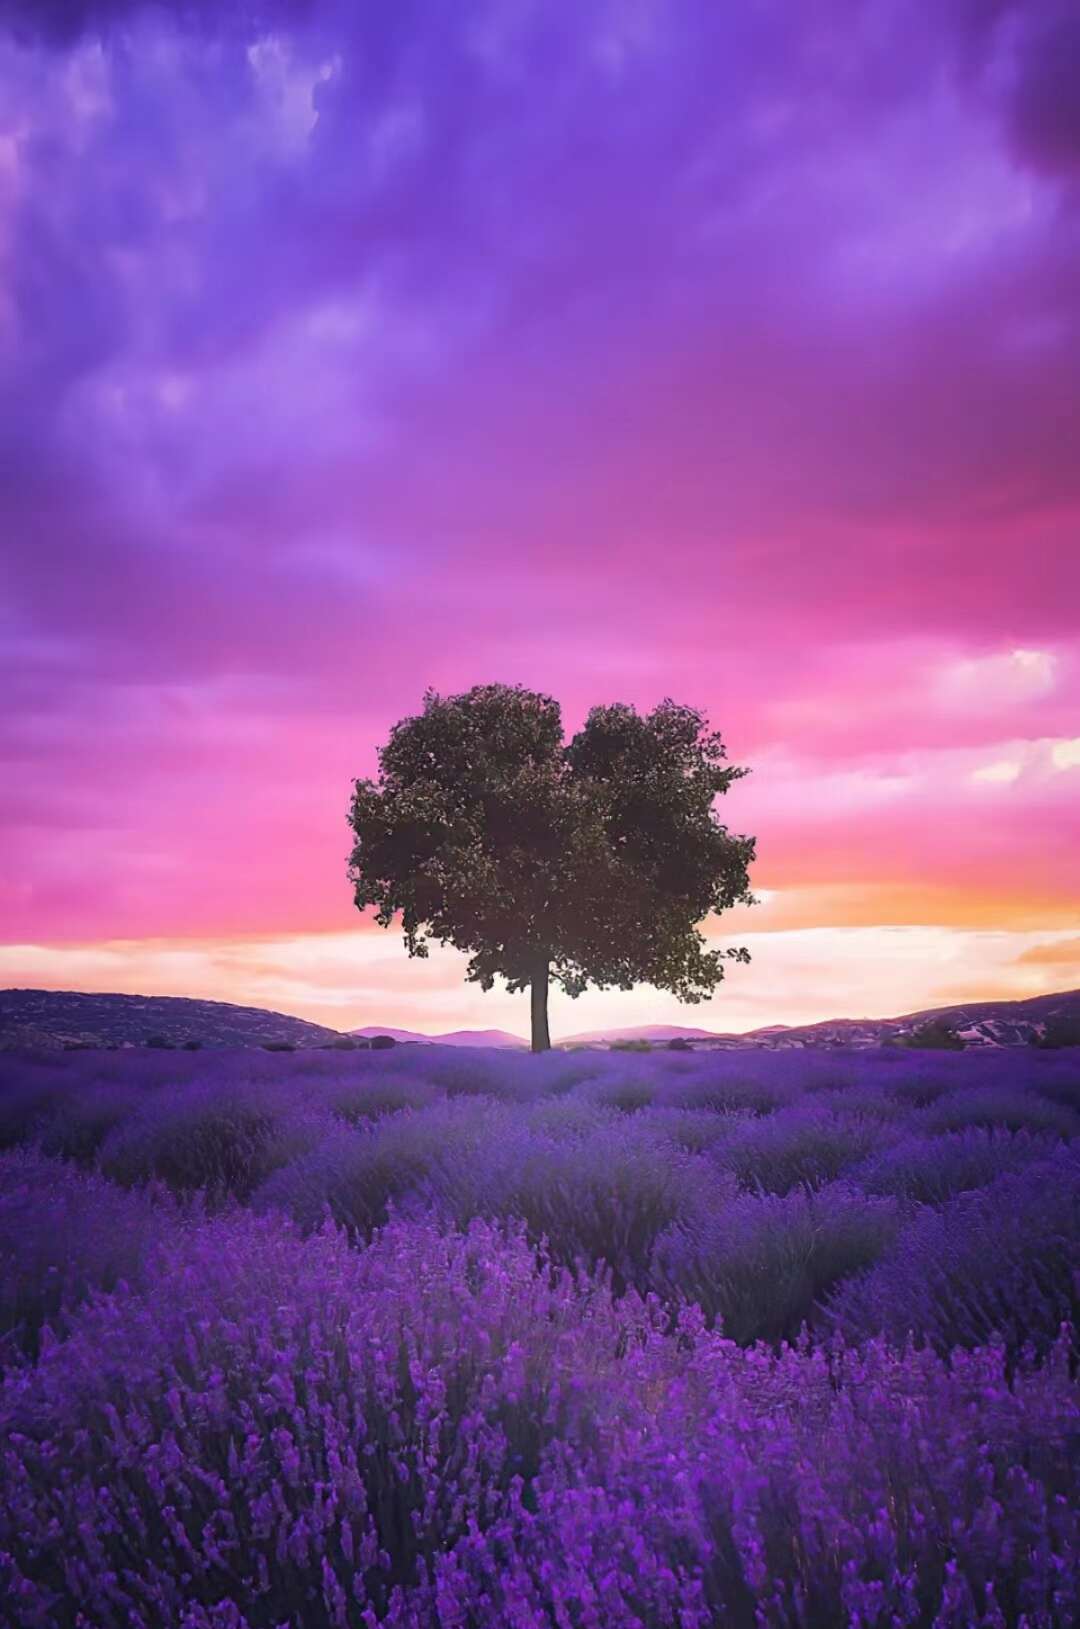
x=977, y=1023
x=57, y=1018
x=456, y=1037
x=639, y=1032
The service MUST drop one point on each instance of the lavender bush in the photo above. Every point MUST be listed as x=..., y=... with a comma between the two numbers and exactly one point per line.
x=800, y=1146
x=29, y=1088
x=932, y=1169
x=356, y=1101
x=63, y=1236
x=352, y=1177
x=599, y=1197
x=1009, y=1108
x=224, y=1142
x=444, y=1430
x=757, y=1264
x=1003, y=1261
x=462, y=1341
x=76, y=1124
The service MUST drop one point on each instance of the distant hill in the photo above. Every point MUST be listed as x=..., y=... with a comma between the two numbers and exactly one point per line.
x=978, y=1023
x=457, y=1037
x=55, y=1018
x=369, y=1030
x=481, y=1037
x=640, y=1032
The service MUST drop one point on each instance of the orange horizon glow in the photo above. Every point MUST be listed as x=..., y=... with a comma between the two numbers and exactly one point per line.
x=352, y=979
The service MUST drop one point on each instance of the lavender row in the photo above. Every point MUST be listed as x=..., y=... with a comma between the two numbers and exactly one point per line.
x=766, y=1196
x=279, y=1431
x=466, y=1340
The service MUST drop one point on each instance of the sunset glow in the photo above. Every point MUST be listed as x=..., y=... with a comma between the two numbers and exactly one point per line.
x=722, y=352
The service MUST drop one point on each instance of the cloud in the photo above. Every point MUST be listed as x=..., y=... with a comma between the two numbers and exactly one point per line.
x=1066, y=754
x=1057, y=952
x=64, y=21
x=1044, y=86
x=690, y=349
x=1003, y=772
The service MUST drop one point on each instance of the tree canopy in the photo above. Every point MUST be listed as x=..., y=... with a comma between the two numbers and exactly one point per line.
x=588, y=863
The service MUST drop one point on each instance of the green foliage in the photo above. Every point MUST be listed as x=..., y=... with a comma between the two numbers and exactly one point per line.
x=631, y=1046
x=590, y=863
x=934, y=1036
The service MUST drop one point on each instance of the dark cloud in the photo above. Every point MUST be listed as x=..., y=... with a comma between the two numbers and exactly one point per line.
x=1023, y=58
x=713, y=239
x=1045, y=99
x=64, y=21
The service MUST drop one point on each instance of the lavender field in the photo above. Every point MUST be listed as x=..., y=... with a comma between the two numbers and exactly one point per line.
x=589, y=1340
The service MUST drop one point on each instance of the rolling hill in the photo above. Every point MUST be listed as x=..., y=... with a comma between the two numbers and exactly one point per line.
x=57, y=1018
x=977, y=1023
x=657, y=1033
x=457, y=1037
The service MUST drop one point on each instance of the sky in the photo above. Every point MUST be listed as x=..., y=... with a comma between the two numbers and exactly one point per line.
x=618, y=348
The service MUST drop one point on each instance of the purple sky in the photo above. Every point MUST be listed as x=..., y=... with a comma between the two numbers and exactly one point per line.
x=722, y=351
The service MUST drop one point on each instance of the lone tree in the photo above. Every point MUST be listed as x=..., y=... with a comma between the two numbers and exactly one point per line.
x=588, y=863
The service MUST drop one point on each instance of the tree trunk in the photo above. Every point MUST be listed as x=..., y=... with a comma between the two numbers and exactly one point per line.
x=541, y=1037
